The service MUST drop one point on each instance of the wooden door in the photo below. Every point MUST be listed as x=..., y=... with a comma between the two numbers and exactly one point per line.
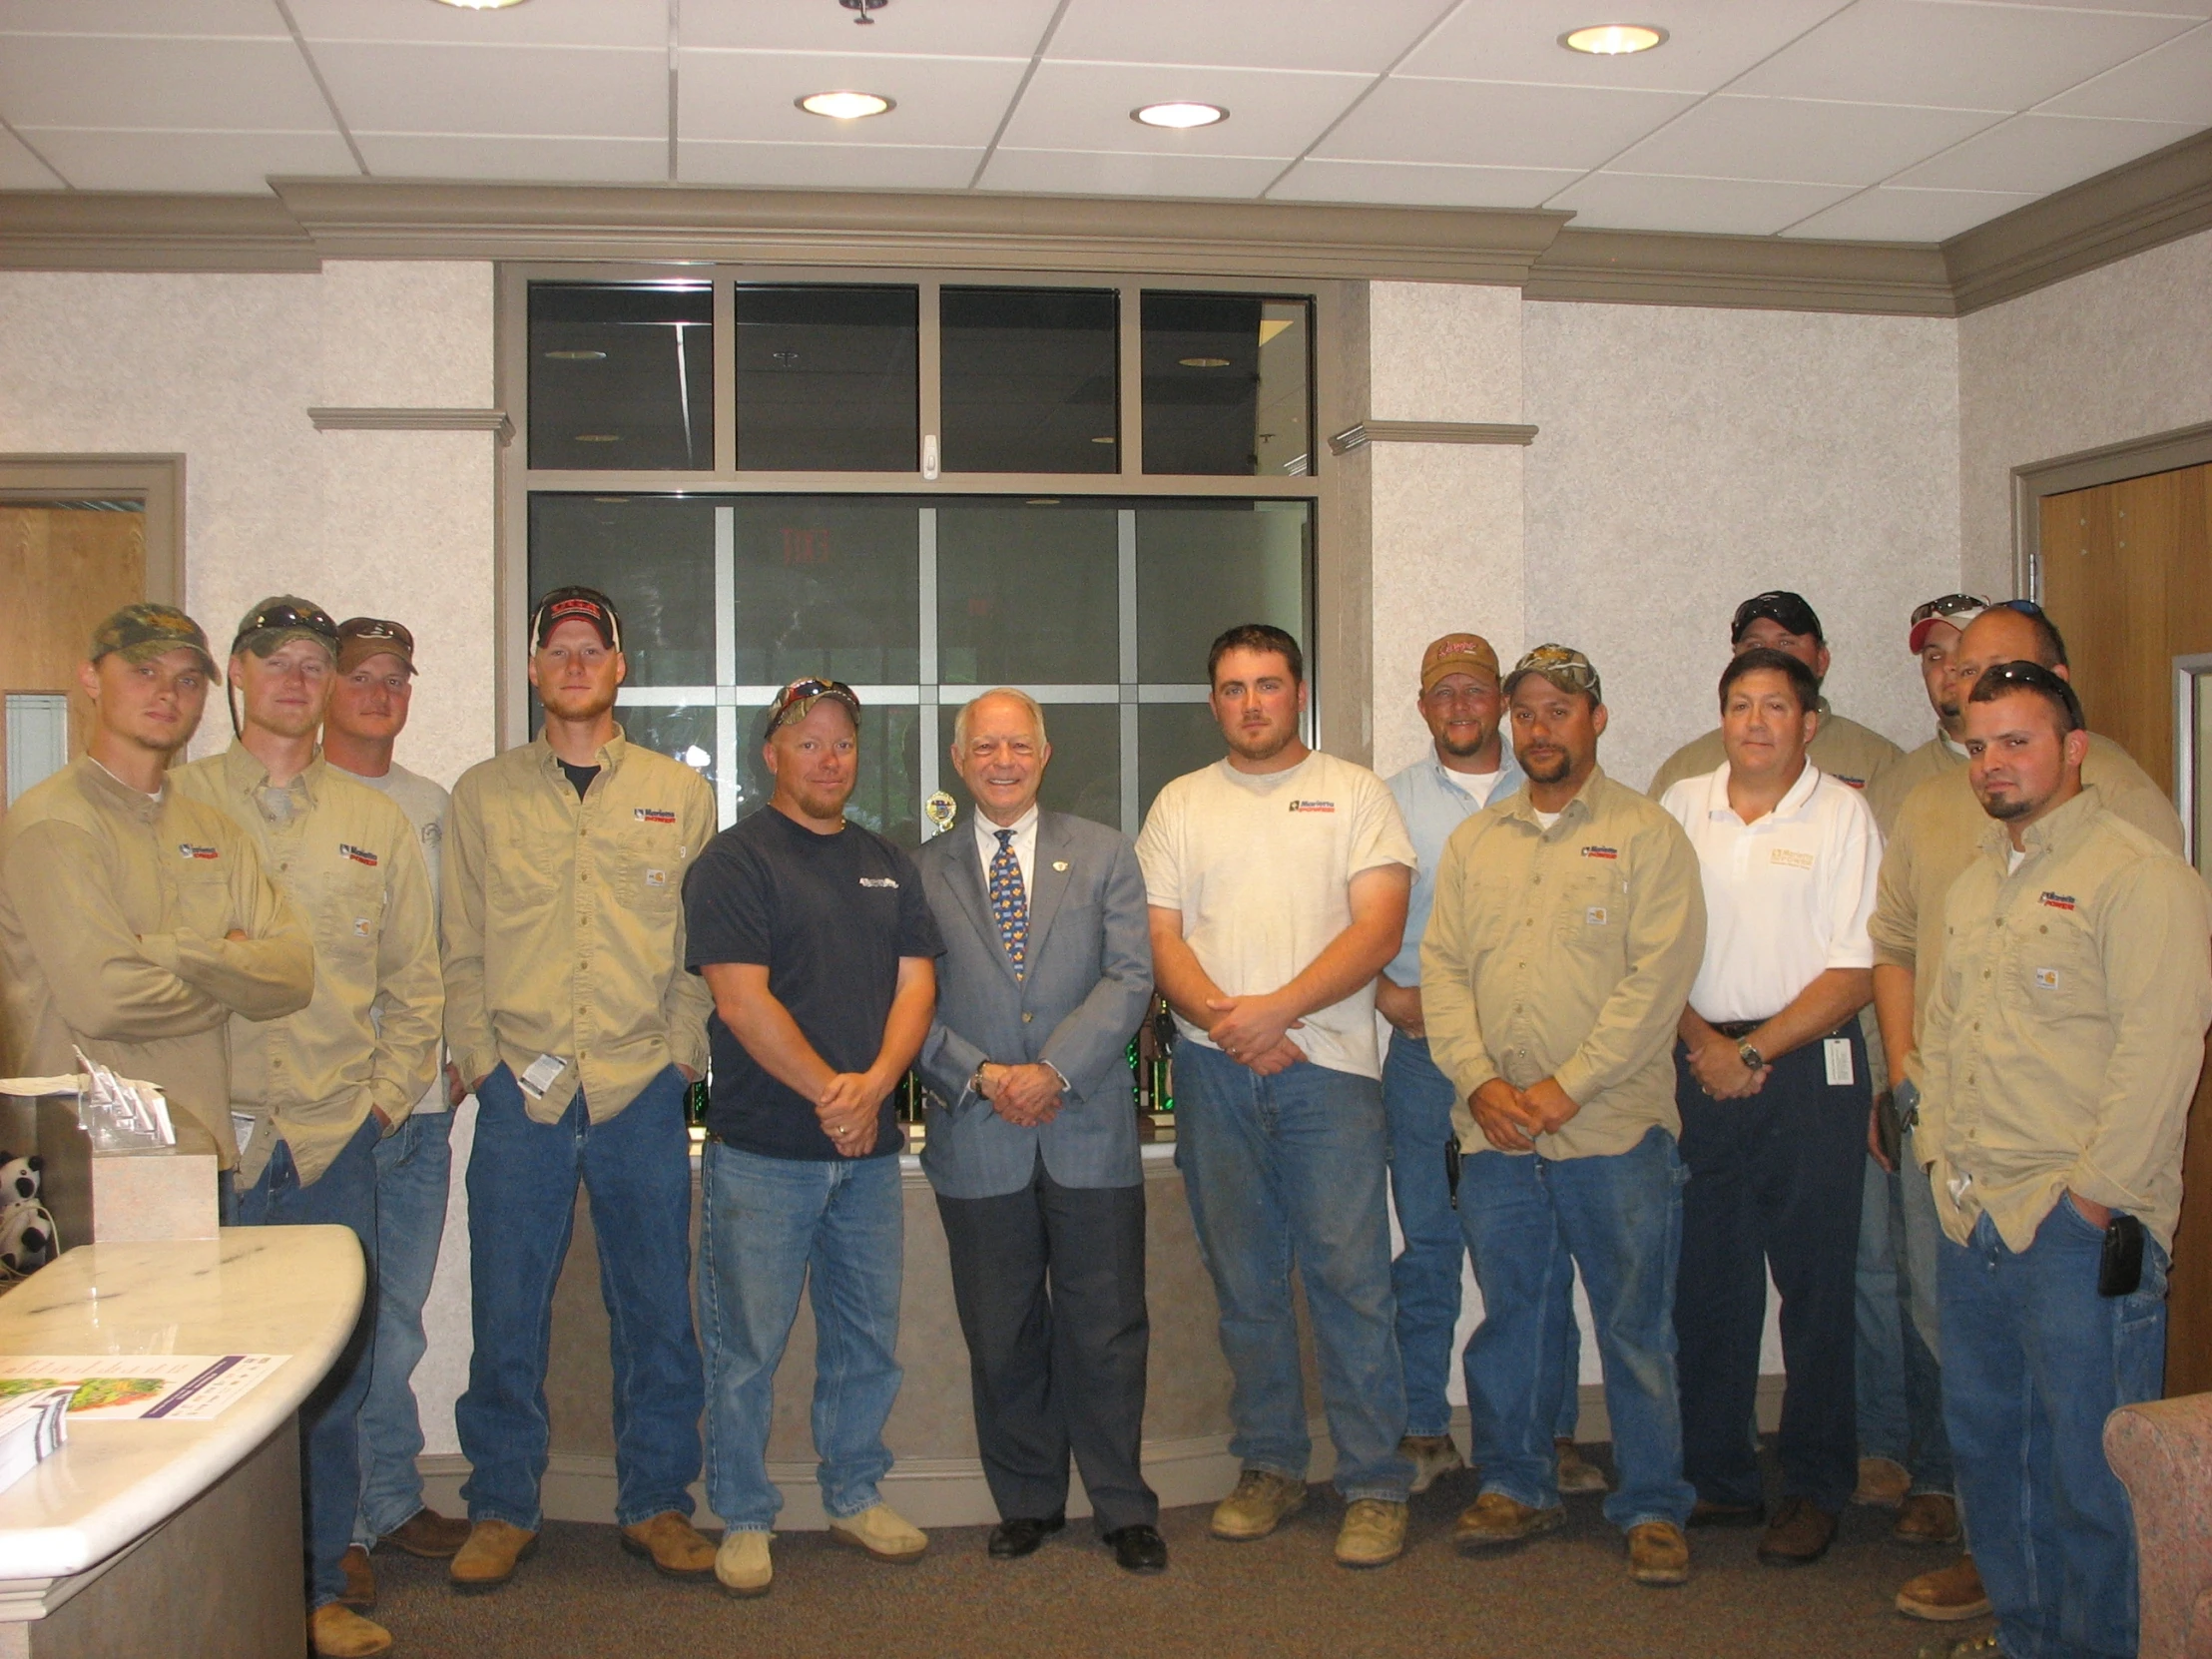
x=2128, y=576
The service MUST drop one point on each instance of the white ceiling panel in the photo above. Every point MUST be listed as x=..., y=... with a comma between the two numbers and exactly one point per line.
x=754, y=95
x=1893, y=215
x=1731, y=207
x=572, y=161
x=1421, y=185
x=942, y=28
x=2172, y=82
x=827, y=166
x=1092, y=172
x=1498, y=124
x=214, y=85
x=20, y=169
x=1253, y=34
x=1799, y=139
x=1085, y=106
x=2041, y=153
x=1709, y=42
x=1954, y=56
x=144, y=17
x=2164, y=8
x=537, y=91
x=230, y=163
x=540, y=23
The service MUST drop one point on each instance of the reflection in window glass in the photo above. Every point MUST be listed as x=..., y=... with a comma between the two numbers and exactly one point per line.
x=828, y=379
x=622, y=376
x=827, y=585
x=1084, y=775
x=1227, y=384
x=1172, y=738
x=684, y=734
x=1203, y=567
x=1027, y=595
x=654, y=556
x=1029, y=380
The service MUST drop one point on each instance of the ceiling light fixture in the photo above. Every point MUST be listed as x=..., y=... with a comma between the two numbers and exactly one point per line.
x=1180, y=115
x=845, y=106
x=1203, y=362
x=482, y=5
x=576, y=356
x=1612, y=40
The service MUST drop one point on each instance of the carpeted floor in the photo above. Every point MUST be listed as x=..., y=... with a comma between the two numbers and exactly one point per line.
x=1567, y=1594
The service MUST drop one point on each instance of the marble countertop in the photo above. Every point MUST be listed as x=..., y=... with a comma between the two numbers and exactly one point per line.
x=252, y=1289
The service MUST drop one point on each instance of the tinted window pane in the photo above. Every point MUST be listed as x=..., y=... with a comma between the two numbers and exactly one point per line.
x=827, y=585
x=684, y=734
x=1172, y=738
x=654, y=556
x=1084, y=775
x=1226, y=384
x=1029, y=380
x=828, y=379
x=1203, y=567
x=622, y=376
x=1027, y=595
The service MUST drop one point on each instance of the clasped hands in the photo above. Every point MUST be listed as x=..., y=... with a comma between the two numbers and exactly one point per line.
x=1254, y=1031
x=1511, y=1119
x=1721, y=1072
x=1027, y=1096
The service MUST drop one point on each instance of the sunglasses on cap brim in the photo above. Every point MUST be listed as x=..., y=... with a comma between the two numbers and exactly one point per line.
x=274, y=619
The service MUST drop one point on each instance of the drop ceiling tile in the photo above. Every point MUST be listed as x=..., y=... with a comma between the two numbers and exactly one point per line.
x=2165, y=8
x=1421, y=185
x=105, y=81
x=1709, y=42
x=1095, y=173
x=548, y=90
x=1498, y=124
x=754, y=95
x=1085, y=106
x=1809, y=141
x=1954, y=56
x=1894, y=215
x=230, y=163
x=541, y=23
x=237, y=18
x=1729, y=207
x=20, y=169
x=941, y=28
x=540, y=160
x=827, y=166
x=1287, y=33
x=2172, y=82
x=2041, y=153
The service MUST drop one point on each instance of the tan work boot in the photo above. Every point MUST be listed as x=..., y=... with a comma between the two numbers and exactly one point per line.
x=1946, y=1595
x=672, y=1545
x=1927, y=1518
x=1431, y=1455
x=1968, y=1647
x=428, y=1534
x=489, y=1557
x=1576, y=1473
x=1495, y=1519
x=1373, y=1533
x=1882, y=1483
x=1263, y=1501
x=336, y=1631
x=360, y=1581
x=882, y=1532
x=1658, y=1553
x=741, y=1564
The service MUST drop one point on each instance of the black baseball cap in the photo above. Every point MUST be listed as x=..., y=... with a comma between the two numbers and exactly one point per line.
x=584, y=603
x=1785, y=610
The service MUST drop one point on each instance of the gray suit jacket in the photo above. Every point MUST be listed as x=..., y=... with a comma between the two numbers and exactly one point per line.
x=1089, y=982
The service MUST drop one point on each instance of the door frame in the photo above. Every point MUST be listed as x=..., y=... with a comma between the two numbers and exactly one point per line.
x=156, y=481
x=2112, y=463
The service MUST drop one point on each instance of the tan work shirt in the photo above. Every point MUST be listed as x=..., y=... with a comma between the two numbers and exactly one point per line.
x=113, y=912
x=351, y=865
x=1887, y=794
x=1846, y=751
x=1937, y=829
x=2066, y=1031
x=564, y=923
x=1568, y=953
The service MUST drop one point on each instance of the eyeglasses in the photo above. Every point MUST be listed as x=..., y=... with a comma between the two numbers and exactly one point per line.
x=310, y=619
x=1949, y=605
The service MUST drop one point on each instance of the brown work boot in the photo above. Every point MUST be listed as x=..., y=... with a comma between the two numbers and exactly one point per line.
x=1431, y=1455
x=336, y=1631
x=1263, y=1501
x=1658, y=1553
x=428, y=1534
x=1576, y=1473
x=1495, y=1519
x=1928, y=1518
x=672, y=1545
x=1882, y=1482
x=489, y=1557
x=1946, y=1595
x=360, y=1581
x=1799, y=1534
x=1706, y=1514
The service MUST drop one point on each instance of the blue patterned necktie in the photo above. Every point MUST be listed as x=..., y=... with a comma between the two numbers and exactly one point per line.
x=1009, y=903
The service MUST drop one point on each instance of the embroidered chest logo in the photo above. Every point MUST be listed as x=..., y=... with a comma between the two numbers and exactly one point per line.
x=1594, y=916
x=2046, y=979
x=2056, y=900
x=654, y=814
x=358, y=854
x=1855, y=783
x=1601, y=853
x=1791, y=857
x=360, y=928
x=192, y=849
x=878, y=881
x=655, y=877
x=1312, y=805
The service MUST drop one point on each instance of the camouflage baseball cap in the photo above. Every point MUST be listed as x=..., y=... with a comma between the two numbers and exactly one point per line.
x=1562, y=665
x=285, y=616
x=144, y=632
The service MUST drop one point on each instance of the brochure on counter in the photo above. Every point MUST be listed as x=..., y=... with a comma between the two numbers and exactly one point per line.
x=146, y=1387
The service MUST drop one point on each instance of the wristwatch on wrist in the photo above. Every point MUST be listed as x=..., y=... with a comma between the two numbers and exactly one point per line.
x=976, y=1082
x=1753, y=1060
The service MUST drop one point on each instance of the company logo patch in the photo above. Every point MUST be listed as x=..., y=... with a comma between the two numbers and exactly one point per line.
x=1312, y=805
x=360, y=928
x=2046, y=979
x=1601, y=853
x=1855, y=783
x=878, y=882
x=575, y=606
x=359, y=854
x=1594, y=916
x=2057, y=901
x=654, y=814
x=1792, y=856
x=655, y=877
x=192, y=849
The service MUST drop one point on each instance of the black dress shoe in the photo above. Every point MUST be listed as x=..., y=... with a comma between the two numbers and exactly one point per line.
x=1706, y=1514
x=1012, y=1540
x=1138, y=1548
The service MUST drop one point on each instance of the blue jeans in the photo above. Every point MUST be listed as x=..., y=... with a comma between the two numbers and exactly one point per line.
x=836, y=1227
x=345, y=1195
x=413, y=1164
x=1900, y=1384
x=1417, y=1106
x=522, y=1180
x=1530, y=1221
x=1286, y=1170
x=2034, y=1361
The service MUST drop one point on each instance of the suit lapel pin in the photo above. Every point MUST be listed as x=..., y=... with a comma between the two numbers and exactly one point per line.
x=1060, y=864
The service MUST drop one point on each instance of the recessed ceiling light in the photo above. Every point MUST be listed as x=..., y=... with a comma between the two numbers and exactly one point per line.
x=576, y=356
x=1611, y=40
x=1203, y=362
x=1180, y=115
x=482, y=5
x=845, y=106
x=1105, y=440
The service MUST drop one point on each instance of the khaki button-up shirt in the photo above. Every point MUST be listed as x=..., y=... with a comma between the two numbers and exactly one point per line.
x=114, y=913
x=564, y=923
x=351, y=865
x=1887, y=794
x=2065, y=1038
x=1568, y=953
x=1846, y=751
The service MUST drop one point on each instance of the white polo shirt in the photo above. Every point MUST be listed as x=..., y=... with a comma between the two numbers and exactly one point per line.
x=1786, y=897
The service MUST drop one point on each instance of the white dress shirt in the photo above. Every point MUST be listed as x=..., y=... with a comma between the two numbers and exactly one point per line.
x=1024, y=845
x=1787, y=896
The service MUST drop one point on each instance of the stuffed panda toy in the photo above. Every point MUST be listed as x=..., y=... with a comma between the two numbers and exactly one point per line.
x=26, y=1230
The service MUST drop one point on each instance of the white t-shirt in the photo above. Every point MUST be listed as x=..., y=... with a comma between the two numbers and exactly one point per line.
x=1787, y=896
x=1476, y=785
x=1261, y=866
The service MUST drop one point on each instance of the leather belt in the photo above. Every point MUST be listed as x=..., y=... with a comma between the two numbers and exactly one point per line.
x=1736, y=1030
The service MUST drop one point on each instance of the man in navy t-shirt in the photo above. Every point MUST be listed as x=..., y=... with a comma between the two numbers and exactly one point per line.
x=819, y=948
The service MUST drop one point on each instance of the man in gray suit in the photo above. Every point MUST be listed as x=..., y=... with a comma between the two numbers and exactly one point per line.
x=1032, y=1143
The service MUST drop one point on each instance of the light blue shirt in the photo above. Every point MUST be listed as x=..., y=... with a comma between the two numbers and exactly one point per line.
x=1433, y=806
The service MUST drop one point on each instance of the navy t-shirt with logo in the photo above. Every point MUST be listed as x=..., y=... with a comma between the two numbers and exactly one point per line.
x=829, y=916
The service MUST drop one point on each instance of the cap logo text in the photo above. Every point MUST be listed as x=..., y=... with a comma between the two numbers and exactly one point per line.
x=878, y=881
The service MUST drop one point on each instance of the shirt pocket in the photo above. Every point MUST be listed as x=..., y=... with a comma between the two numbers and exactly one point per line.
x=649, y=870
x=524, y=869
x=1590, y=916
x=2054, y=971
x=345, y=909
x=199, y=896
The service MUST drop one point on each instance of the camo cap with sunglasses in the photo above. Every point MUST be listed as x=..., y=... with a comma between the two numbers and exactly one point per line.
x=285, y=616
x=1957, y=609
x=798, y=699
x=1562, y=665
x=363, y=637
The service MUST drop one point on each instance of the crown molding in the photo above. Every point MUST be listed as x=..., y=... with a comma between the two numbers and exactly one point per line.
x=69, y=230
x=1428, y=432
x=1667, y=267
x=414, y=420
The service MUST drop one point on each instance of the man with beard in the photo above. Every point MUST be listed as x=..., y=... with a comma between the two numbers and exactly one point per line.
x=1277, y=880
x=1566, y=934
x=575, y=1026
